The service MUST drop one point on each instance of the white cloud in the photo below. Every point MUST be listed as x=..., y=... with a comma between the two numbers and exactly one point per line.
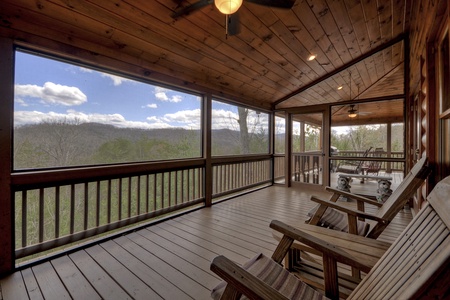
x=161, y=94
x=176, y=98
x=187, y=119
x=224, y=119
x=152, y=105
x=21, y=102
x=191, y=119
x=52, y=93
x=117, y=80
x=86, y=70
x=35, y=117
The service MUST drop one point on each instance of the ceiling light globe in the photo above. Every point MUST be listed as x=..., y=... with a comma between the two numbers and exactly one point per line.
x=352, y=115
x=228, y=7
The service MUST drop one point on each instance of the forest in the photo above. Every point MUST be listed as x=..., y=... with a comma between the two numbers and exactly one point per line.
x=62, y=144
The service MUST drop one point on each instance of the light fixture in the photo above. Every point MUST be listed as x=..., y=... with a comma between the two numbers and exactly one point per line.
x=352, y=112
x=311, y=57
x=340, y=87
x=228, y=7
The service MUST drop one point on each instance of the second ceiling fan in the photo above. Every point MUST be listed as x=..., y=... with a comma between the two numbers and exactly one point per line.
x=230, y=9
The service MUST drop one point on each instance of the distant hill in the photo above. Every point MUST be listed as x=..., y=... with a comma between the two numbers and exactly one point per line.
x=37, y=145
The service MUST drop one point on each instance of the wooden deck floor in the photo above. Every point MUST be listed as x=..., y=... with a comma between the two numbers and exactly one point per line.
x=170, y=260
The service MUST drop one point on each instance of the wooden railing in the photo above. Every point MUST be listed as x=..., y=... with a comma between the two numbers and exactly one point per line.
x=57, y=207
x=385, y=165
x=279, y=166
x=234, y=174
x=307, y=166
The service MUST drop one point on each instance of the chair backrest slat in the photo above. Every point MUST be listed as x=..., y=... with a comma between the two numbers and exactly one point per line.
x=419, y=256
x=412, y=181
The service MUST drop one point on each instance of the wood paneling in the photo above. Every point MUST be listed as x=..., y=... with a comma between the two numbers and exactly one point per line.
x=265, y=62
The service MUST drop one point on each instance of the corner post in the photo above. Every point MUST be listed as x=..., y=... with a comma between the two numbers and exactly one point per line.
x=6, y=127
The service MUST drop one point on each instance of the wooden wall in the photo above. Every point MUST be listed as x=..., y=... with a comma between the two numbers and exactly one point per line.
x=427, y=17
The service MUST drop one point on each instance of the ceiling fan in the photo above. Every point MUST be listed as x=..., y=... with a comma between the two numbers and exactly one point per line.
x=352, y=111
x=230, y=9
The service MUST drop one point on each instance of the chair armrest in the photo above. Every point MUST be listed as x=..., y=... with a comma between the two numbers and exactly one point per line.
x=353, y=196
x=242, y=281
x=348, y=210
x=325, y=248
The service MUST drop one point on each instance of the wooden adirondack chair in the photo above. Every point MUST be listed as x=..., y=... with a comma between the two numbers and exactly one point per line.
x=416, y=265
x=332, y=214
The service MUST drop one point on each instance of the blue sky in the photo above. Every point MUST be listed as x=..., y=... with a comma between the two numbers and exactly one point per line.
x=49, y=90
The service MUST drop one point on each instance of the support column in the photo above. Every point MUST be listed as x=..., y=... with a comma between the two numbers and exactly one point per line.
x=6, y=127
x=389, y=147
x=288, y=149
x=208, y=179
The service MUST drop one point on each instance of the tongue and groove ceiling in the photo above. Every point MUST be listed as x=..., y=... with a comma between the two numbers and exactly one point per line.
x=265, y=65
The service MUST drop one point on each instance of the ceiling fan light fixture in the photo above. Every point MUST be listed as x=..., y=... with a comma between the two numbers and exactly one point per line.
x=228, y=7
x=352, y=112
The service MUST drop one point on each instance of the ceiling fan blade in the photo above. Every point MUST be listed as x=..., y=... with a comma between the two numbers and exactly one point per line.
x=234, y=25
x=190, y=8
x=274, y=3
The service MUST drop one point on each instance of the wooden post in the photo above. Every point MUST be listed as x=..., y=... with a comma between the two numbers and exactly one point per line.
x=6, y=127
x=208, y=179
x=288, y=150
x=389, y=147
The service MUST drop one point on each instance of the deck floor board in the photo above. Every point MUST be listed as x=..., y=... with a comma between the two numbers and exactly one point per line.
x=170, y=260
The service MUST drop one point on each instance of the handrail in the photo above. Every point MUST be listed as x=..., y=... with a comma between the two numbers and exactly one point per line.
x=233, y=159
x=41, y=178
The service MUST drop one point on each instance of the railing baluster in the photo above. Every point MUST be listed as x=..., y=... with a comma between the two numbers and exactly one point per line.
x=72, y=208
x=57, y=210
x=215, y=180
x=41, y=215
x=86, y=206
x=119, y=192
x=188, y=185
x=24, y=218
x=129, y=197
x=138, y=191
x=169, y=188
x=182, y=187
x=108, y=205
x=97, y=203
x=154, y=192
x=177, y=185
x=162, y=191
x=147, y=192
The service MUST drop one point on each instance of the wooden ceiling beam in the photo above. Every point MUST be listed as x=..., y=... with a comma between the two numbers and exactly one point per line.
x=390, y=43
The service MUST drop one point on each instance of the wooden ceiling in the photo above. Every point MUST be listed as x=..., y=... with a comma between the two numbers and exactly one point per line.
x=265, y=65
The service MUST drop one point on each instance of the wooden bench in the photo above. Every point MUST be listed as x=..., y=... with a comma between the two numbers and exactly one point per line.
x=416, y=265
